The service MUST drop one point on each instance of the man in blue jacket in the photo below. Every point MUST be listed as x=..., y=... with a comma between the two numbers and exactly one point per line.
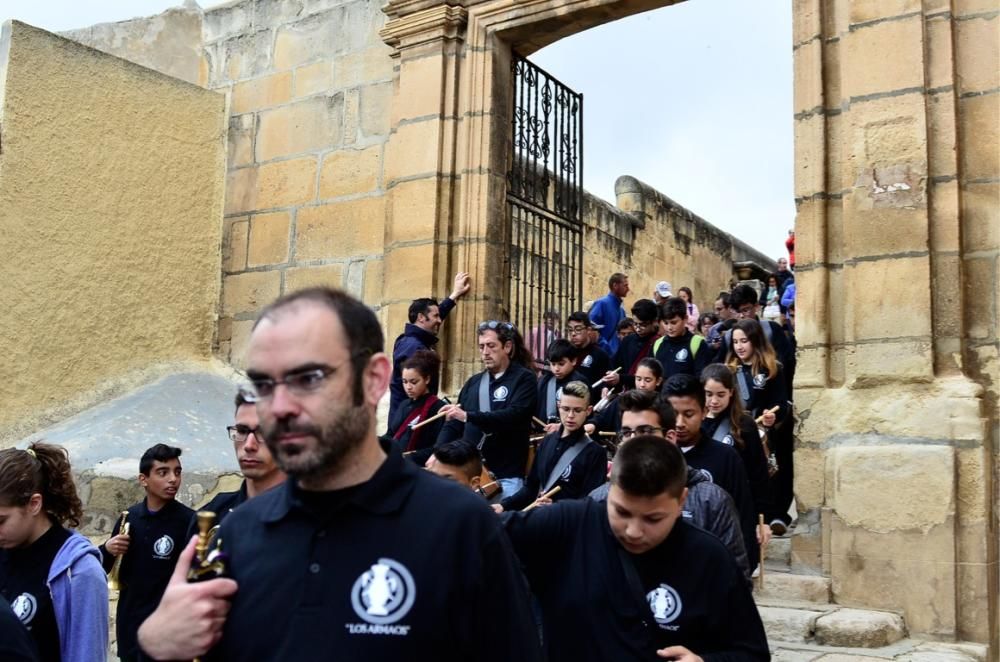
x=426, y=316
x=608, y=311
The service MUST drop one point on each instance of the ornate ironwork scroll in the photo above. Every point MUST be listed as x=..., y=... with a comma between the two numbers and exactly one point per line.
x=545, y=204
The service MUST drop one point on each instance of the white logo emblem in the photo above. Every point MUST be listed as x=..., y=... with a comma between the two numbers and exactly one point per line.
x=665, y=603
x=759, y=381
x=384, y=593
x=707, y=474
x=163, y=546
x=500, y=393
x=25, y=606
x=587, y=361
x=728, y=440
x=682, y=355
x=566, y=472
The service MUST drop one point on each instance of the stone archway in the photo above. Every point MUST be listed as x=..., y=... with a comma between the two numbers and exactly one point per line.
x=895, y=166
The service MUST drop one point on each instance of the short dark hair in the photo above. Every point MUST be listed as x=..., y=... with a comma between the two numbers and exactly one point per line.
x=420, y=306
x=682, y=385
x=626, y=324
x=615, y=279
x=645, y=310
x=708, y=318
x=240, y=400
x=560, y=349
x=648, y=466
x=638, y=401
x=426, y=362
x=673, y=307
x=361, y=327
x=742, y=295
x=581, y=318
x=462, y=454
x=725, y=298
x=157, y=453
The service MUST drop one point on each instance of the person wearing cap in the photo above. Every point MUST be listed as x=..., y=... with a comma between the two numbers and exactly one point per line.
x=662, y=292
x=608, y=311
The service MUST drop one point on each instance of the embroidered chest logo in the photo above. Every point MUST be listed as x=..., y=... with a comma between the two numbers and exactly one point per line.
x=587, y=361
x=665, y=604
x=728, y=440
x=759, y=381
x=681, y=355
x=163, y=546
x=25, y=606
x=500, y=394
x=382, y=596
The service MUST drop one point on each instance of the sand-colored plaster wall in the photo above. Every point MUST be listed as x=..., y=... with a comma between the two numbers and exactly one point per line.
x=111, y=199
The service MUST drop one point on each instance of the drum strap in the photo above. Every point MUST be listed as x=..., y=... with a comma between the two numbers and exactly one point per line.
x=725, y=426
x=484, y=401
x=564, y=461
x=550, y=398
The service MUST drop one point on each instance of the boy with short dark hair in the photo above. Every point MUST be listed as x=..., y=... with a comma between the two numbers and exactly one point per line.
x=636, y=347
x=679, y=350
x=629, y=579
x=567, y=457
x=561, y=356
x=157, y=528
x=459, y=461
x=721, y=462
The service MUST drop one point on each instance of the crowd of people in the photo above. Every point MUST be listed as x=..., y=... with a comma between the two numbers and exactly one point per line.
x=595, y=493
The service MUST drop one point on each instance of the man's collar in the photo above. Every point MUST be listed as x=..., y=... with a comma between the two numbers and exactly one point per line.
x=385, y=492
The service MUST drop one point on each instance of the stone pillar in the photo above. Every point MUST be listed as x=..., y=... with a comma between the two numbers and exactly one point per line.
x=894, y=463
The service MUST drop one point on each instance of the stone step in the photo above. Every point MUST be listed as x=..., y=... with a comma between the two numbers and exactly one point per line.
x=906, y=650
x=829, y=625
x=788, y=586
x=779, y=552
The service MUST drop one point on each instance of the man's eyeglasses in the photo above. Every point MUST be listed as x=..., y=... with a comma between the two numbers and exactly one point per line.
x=576, y=330
x=239, y=433
x=298, y=383
x=493, y=325
x=639, y=324
x=628, y=433
x=571, y=410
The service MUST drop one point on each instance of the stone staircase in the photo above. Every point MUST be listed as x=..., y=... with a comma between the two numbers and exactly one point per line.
x=804, y=625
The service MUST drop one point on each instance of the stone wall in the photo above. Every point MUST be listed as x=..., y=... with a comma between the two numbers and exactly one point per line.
x=111, y=185
x=897, y=172
x=309, y=86
x=652, y=238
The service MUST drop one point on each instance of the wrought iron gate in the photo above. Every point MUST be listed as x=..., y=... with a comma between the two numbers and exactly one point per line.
x=544, y=205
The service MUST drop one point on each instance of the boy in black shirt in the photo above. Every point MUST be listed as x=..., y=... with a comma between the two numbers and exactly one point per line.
x=561, y=355
x=566, y=457
x=629, y=579
x=157, y=532
x=679, y=350
x=636, y=347
x=719, y=461
x=591, y=361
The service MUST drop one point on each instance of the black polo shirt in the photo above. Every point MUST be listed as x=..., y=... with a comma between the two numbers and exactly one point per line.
x=406, y=566
x=156, y=540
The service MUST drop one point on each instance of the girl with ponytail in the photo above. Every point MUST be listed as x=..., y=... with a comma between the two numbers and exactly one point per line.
x=50, y=575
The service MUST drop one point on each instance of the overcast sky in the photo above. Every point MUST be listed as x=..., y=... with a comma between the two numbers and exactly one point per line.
x=694, y=99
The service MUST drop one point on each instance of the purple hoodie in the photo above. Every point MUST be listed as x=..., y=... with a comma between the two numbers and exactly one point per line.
x=79, y=589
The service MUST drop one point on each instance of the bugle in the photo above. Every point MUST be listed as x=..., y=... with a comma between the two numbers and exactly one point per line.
x=114, y=583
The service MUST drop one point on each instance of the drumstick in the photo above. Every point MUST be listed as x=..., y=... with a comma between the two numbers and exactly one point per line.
x=537, y=437
x=482, y=488
x=760, y=522
x=601, y=380
x=772, y=410
x=537, y=421
x=604, y=433
x=428, y=420
x=547, y=495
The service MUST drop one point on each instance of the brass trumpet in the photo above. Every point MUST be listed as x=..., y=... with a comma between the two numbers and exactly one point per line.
x=207, y=564
x=114, y=584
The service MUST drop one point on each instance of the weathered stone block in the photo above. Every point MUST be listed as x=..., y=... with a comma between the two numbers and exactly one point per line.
x=862, y=11
x=806, y=22
x=980, y=283
x=356, y=68
x=308, y=125
x=942, y=143
x=868, y=70
x=784, y=624
x=245, y=56
x=373, y=282
x=268, y=239
x=318, y=37
x=407, y=153
x=241, y=340
x=872, y=285
x=977, y=50
x=980, y=217
x=422, y=83
x=376, y=102
x=408, y=269
x=265, y=92
x=313, y=78
x=788, y=586
x=247, y=292
x=341, y=229
x=856, y=628
x=234, y=246
x=285, y=183
x=810, y=158
x=415, y=206
x=981, y=135
x=350, y=172
x=240, y=145
x=940, y=53
x=227, y=21
x=241, y=190
x=328, y=275
x=808, y=76
x=871, y=230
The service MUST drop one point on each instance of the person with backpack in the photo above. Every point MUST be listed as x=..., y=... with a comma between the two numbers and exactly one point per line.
x=678, y=349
